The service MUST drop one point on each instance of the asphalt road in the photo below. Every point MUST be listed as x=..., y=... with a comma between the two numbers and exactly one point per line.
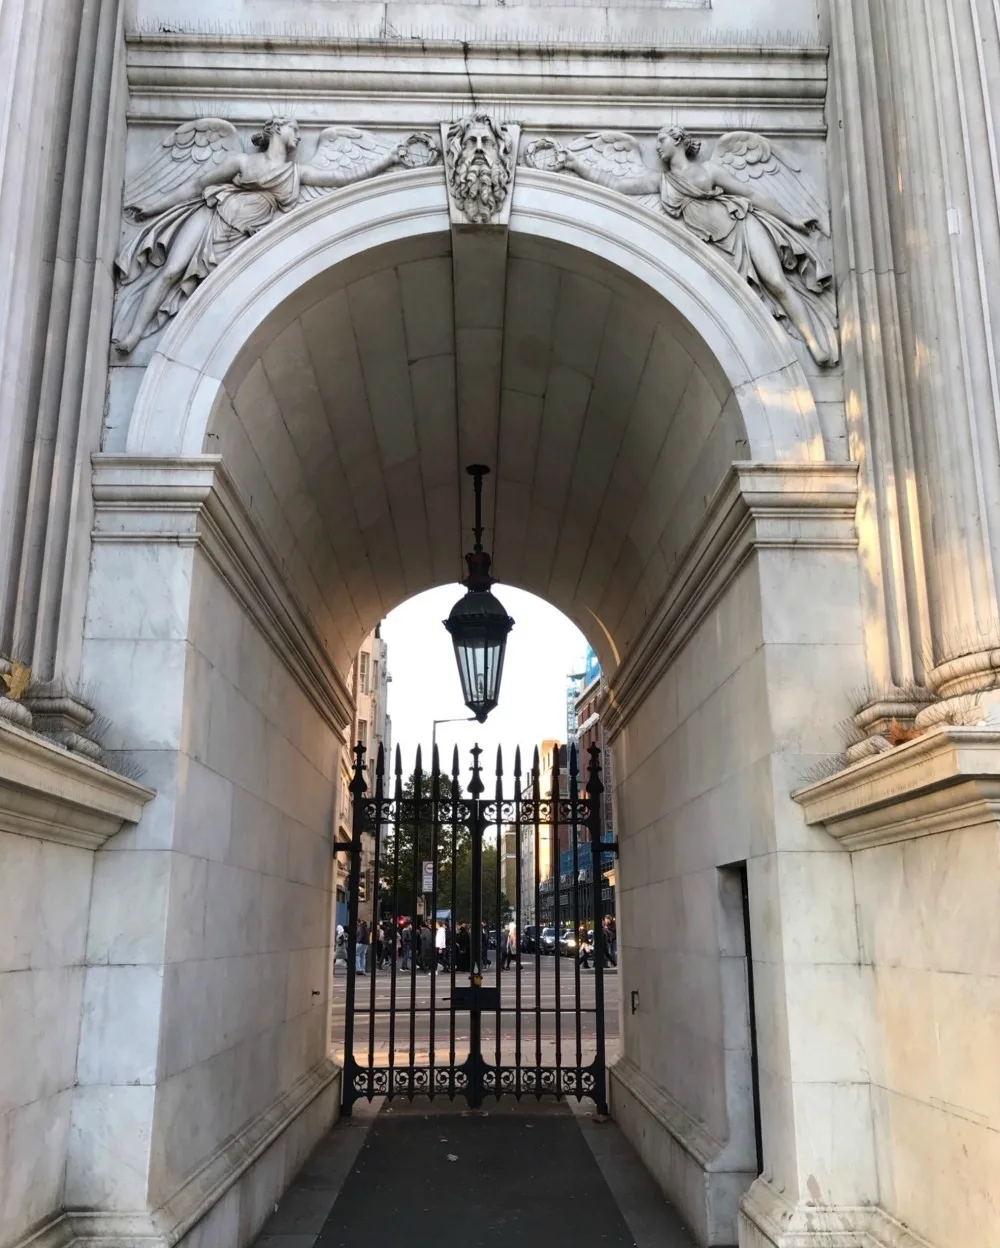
x=526, y=1029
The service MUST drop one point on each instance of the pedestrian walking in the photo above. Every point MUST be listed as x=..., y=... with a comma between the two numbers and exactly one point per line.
x=406, y=940
x=583, y=944
x=361, y=954
x=463, y=949
x=607, y=945
x=510, y=946
x=441, y=945
x=427, y=954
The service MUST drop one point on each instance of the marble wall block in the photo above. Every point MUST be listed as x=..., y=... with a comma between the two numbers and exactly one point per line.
x=44, y=899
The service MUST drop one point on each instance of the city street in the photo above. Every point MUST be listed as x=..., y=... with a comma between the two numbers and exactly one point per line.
x=537, y=1031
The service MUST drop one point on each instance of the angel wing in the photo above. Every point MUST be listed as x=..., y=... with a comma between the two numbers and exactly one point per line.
x=608, y=154
x=353, y=154
x=755, y=159
x=182, y=156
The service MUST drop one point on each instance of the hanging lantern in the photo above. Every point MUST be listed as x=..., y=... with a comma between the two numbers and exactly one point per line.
x=479, y=624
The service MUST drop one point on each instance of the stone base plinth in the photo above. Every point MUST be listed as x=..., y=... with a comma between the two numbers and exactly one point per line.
x=683, y=1158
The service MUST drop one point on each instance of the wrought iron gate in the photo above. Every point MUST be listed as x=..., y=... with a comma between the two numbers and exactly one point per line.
x=424, y=1013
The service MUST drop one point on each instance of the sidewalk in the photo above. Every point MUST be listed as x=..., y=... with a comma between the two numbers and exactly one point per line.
x=530, y=1176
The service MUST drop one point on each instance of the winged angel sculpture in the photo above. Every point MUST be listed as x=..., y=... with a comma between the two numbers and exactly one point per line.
x=202, y=195
x=743, y=199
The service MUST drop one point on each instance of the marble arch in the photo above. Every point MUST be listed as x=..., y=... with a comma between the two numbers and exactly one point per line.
x=182, y=384
x=234, y=573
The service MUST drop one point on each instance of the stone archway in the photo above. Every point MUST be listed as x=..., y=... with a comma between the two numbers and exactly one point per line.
x=234, y=573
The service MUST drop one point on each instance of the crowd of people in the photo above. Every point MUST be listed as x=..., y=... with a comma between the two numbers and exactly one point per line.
x=424, y=945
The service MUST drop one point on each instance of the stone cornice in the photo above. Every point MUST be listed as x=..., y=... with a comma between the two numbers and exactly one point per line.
x=943, y=781
x=800, y=506
x=55, y=795
x=194, y=502
x=422, y=79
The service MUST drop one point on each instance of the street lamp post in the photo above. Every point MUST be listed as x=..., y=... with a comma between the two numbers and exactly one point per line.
x=460, y=719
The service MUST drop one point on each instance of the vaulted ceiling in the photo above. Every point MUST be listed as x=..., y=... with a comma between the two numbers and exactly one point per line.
x=352, y=416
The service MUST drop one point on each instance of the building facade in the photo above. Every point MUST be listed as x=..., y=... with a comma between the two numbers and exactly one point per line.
x=372, y=728
x=710, y=285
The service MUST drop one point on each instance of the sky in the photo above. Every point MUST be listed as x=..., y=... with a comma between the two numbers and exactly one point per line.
x=542, y=649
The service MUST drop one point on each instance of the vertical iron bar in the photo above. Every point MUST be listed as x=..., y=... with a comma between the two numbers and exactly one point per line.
x=358, y=789
x=435, y=826
x=595, y=819
x=499, y=831
x=536, y=794
x=396, y=832
x=556, y=787
x=574, y=799
x=517, y=921
x=476, y=923
x=373, y=952
x=417, y=781
x=456, y=789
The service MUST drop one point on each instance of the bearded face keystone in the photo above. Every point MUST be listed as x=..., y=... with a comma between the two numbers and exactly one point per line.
x=480, y=163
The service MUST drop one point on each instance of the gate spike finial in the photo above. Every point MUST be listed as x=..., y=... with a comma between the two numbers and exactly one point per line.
x=517, y=761
x=399, y=762
x=534, y=765
x=499, y=762
x=573, y=762
x=380, y=761
x=435, y=761
x=476, y=783
x=357, y=785
x=595, y=786
x=419, y=766
x=454, y=763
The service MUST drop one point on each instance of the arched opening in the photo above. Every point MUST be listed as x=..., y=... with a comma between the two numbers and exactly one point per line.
x=294, y=469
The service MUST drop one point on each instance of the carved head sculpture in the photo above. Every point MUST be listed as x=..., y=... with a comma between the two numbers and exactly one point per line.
x=480, y=165
x=676, y=138
x=286, y=128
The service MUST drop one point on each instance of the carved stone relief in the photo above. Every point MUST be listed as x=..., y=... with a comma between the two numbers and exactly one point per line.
x=746, y=198
x=480, y=156
x=203, y=193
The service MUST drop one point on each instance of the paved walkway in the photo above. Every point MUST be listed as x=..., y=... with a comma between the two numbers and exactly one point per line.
x=515, y=1176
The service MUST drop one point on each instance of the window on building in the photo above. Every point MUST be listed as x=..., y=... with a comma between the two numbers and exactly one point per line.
x=363, y=731
x=363, y=670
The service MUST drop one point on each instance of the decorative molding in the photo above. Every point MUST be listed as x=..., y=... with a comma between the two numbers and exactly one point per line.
x=944, y=781
x=353, y=76
x=57, y=1233
x=194, y=502
x=784, y=506
x=768, y=1220
x=170, y=1222
x=55, y=795
x=692, y=1136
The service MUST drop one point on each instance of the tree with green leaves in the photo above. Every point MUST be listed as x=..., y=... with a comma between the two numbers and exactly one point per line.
x=406, y=844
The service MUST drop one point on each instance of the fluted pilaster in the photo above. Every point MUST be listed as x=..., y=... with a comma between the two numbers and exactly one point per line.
x=937, y=64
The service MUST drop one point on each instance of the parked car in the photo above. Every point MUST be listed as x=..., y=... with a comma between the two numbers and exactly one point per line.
x=528, y=938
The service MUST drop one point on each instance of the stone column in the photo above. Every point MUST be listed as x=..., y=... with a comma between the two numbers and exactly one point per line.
x=937, y=66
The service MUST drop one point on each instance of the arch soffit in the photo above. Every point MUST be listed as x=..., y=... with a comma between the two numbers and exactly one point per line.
x=230, y=312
